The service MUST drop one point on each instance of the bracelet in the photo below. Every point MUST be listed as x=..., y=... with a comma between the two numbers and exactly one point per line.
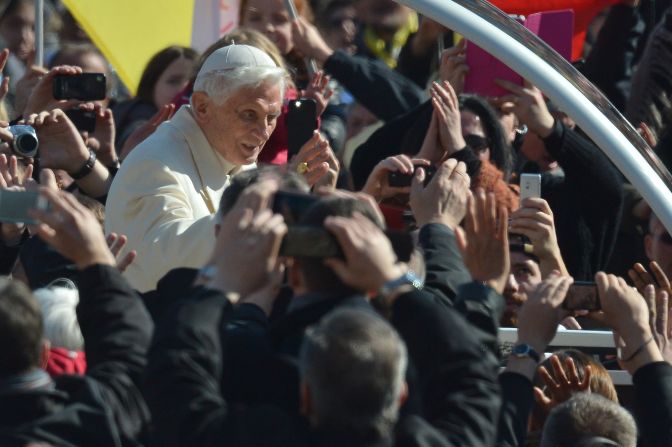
x=86, y=168
x=634, y=354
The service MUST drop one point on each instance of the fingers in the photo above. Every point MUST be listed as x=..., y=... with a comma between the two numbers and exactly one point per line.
x=543, y=400
x=661, y=277
x=662, y=312
x=650, y=298
x=127, y=260
x=48, y=179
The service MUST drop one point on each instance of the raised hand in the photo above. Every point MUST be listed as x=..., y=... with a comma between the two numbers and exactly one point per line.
x=444, y=200
x=42, y=99
x=484, y=242
x=540, y=315
x=378, y=185
x=370, y=261
x=116, y=244
x=248, y=244
x=530, y=107
x=318, y=90
x=141, y=133
x=315, y=160
x=102, y=140
x=61, y=145
x=625, y=311
x=447, y=109
x=72, y=230
x=562, y=385
x=534, y=219
x=308, y=40
x=454, y=68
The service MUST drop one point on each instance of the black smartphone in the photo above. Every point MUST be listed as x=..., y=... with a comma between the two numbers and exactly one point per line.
x=84, y=120
x=582, y=295
x=301, y=124
x=14, y=205
x=400, y=180
x=309, y=242
x=84, y=86
x=292, y=205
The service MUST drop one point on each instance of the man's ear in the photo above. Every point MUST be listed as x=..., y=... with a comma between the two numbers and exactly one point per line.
x=201, y=105
x=295, y=277
x=403, y=394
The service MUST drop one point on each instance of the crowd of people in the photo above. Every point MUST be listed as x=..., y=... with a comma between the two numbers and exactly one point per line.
x=184, y=276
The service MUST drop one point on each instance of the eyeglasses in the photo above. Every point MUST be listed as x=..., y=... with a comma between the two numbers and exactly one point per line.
x=476, y=142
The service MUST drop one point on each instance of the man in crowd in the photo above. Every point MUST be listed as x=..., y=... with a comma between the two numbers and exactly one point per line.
x=164, y=197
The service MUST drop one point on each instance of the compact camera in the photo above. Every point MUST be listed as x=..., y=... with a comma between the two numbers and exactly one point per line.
x=25, y=140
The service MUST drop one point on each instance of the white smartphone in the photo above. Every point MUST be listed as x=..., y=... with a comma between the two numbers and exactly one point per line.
x=14, y=205
x=530, y=186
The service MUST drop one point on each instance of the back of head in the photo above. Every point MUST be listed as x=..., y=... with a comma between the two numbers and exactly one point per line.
x=317, y=276
x=289, y=181
x=61, y=326
x=233, y=67
x=20, y=329
x=354, y=364
x=586, y=416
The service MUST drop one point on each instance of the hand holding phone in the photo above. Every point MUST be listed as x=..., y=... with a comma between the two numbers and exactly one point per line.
x=301, y=123
x=401, y=180
x=582, y=295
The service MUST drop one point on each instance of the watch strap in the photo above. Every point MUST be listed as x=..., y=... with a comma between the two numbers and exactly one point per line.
x=408, y=278
x=87, y=168
x=525, y=350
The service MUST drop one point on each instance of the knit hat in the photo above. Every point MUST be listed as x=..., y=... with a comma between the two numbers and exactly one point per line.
x=234, y=56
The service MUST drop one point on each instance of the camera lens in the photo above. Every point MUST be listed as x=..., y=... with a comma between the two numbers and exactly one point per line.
x=25, y=140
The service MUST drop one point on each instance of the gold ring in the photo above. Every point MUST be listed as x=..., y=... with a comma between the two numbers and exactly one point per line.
x=302, y=168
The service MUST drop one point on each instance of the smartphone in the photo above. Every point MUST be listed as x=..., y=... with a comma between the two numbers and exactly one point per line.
x=400, y=180
x=84, y=86
x=582, y=295
x=309, y=242
x=301, y=124
x=292, y=205
x=530, y=186
x=14, y=205
x=84, y=120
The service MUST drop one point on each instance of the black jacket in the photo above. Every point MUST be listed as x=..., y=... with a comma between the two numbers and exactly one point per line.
x=383, y=91
x=586, y=203
x=104, y=407
x=458, y=381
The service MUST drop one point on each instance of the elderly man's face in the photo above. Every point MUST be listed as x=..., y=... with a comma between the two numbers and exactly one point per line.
x=239, y=128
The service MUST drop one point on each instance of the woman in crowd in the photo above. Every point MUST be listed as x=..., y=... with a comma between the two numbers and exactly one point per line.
x=166, y=74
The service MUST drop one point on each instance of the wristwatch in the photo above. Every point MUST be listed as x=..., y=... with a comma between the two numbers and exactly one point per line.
x=524, y=350
x=408, y=278
x=87, y=168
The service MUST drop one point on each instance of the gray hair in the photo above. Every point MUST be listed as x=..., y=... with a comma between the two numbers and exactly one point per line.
x=59, y=316
x=586, y=415
x=221, y=84
x=354, y=364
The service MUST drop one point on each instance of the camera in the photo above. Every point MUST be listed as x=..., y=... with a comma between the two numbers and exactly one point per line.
x=25, y=140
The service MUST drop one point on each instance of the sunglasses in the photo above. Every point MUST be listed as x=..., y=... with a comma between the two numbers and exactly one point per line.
x=476, y=142
x=665, y=238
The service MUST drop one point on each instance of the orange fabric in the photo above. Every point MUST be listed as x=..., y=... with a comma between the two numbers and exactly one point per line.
x=491, y=179
x=584, y=13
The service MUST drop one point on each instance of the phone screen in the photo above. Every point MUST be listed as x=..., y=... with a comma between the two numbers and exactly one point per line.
x=14, y=205
x=301, y=123
x=84, y=120
x=582, y=295
x=84, y=86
